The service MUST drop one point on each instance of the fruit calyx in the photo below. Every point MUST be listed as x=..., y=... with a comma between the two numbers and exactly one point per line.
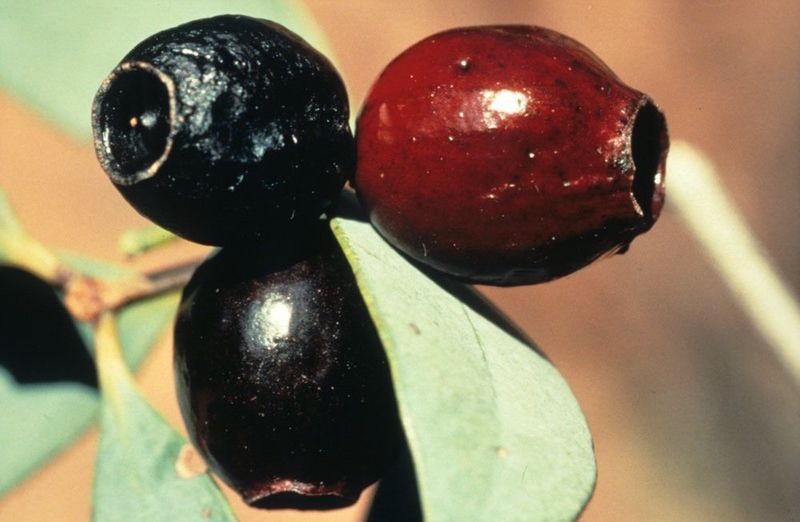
x=296, y=494
x=134, y=113
x=649, y=145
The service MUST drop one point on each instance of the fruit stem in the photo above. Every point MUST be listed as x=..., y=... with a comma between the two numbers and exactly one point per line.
x=87, y=298
x=695, y=189
x=111, y=366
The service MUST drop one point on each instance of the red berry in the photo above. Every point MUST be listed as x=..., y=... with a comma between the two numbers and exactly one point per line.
x=508, y=155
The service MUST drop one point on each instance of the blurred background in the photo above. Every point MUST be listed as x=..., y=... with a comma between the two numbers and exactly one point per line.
x=693, y=419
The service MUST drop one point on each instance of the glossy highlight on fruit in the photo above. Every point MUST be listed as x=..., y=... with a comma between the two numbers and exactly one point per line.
x=508, y=155
x=281, y=378
x=225, y=130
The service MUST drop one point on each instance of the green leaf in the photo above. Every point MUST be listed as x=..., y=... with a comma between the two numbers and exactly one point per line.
x=54, y=55
x=39, y=421
x=494, y=431
x=141, y=470
x=46, y=417
x=135, y=242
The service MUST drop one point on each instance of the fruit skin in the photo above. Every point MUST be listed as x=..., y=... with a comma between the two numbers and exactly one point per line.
x=508, y=155
x=225, y=130
x=281, y=378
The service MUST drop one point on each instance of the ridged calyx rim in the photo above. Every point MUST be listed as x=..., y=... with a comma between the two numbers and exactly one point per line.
x=647, y=146
x=102, y=133
x=281, y=493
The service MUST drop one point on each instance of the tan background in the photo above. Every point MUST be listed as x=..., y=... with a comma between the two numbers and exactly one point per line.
x=692, y=418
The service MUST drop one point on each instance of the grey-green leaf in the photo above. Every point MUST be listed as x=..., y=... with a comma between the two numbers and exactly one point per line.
x=54, y=55
x=39, y=421
x=142, y=471
x=494, y=431
x=46, y=417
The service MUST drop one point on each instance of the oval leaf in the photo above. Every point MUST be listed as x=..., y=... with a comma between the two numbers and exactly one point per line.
x=494, y=431
x=50, y=414
x=145, y=470
x=77, y=43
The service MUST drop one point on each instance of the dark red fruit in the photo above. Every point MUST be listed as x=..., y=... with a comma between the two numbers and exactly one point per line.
x=282, y=380
x=225, y=130
x=508, y=155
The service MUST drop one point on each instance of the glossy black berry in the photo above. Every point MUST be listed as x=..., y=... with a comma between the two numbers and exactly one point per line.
x=225, y=130
x=39, y=343
x=282, y=380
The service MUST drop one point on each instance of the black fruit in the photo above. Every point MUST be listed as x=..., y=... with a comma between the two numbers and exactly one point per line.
x=39, y=343
x=282, y=380
x=225, y=130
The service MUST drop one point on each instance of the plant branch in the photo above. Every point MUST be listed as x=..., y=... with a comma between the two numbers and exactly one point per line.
x=87, y=298
x=710, y=214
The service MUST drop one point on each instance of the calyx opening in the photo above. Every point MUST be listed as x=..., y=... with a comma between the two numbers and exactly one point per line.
x=294, y=500
x=649, y=144
x=298, y=494
x=132, y=120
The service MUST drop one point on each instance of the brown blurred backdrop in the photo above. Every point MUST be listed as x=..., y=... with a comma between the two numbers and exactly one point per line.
x=692, y=418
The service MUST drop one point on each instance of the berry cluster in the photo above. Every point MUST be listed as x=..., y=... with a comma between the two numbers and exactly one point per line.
x=503, y=155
